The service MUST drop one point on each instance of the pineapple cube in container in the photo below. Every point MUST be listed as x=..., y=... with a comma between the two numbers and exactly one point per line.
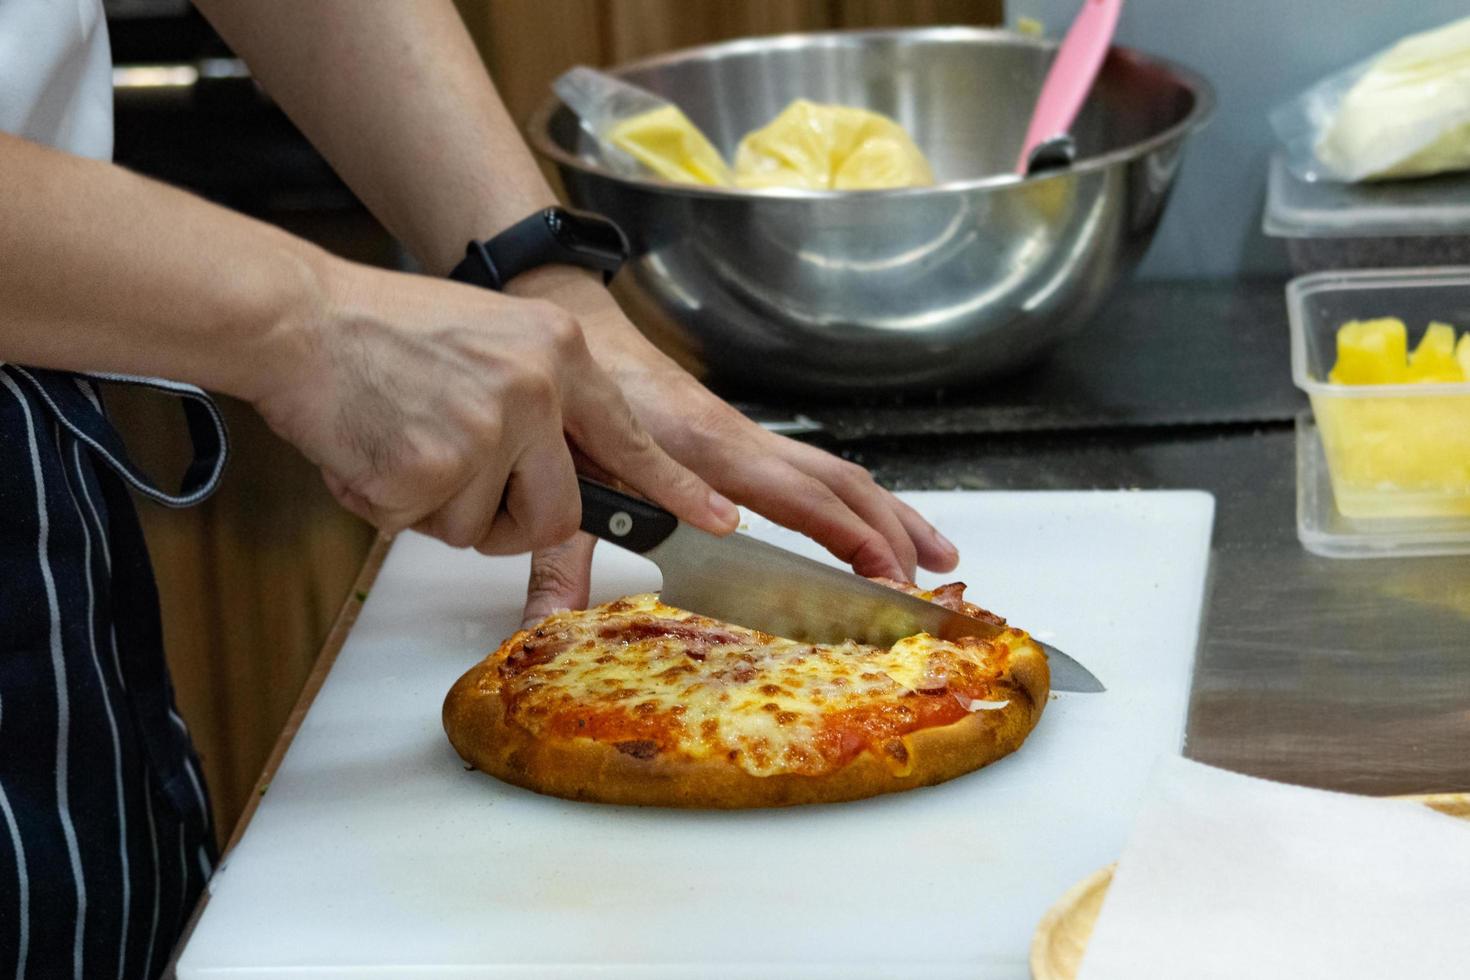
x=1382, y=357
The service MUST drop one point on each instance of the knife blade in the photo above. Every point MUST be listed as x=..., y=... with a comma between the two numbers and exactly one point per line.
x=743, y=580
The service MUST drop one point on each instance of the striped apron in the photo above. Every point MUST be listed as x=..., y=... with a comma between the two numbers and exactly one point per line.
x=105, y=828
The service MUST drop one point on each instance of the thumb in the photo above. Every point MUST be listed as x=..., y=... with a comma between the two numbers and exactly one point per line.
x=560, y=578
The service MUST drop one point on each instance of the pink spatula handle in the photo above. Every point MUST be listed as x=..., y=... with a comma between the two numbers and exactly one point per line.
x=1072, y=74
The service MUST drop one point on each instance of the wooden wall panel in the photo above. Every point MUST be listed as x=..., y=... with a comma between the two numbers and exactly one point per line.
x=527, y=43
x=638, y=28
x=904, y=13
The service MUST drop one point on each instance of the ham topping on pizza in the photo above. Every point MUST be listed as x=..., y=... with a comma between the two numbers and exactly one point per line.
x=653, y=681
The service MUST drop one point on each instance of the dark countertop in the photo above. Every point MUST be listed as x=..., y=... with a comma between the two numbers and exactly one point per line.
x=1160, y=353
x=1345, y=674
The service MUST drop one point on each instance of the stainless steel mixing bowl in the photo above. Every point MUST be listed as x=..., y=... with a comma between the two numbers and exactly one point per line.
x=843, y=292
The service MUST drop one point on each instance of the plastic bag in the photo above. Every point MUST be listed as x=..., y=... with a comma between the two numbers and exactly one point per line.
x=1403, y=113
x=637, y=133
x=808, y=145
x=830, y=147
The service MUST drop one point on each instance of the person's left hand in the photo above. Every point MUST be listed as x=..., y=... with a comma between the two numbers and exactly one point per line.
x=833, y=501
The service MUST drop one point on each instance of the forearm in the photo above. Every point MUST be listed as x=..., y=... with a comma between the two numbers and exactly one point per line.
x=103, y=270
x=395, y=96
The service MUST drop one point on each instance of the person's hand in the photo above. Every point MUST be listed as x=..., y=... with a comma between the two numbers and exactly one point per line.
x=449, y=409
x=835, y=502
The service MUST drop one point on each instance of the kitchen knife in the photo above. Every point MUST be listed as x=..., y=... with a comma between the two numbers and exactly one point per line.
x=739, y=579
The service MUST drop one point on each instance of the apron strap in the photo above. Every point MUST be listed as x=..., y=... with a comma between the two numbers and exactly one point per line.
x=79, y=410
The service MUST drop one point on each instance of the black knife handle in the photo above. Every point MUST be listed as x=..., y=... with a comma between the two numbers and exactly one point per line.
x=620, y=519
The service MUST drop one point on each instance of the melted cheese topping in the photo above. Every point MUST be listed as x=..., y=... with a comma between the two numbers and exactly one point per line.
x=654, y=680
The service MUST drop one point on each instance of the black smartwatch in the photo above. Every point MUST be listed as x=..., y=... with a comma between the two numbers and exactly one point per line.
x=555, y=236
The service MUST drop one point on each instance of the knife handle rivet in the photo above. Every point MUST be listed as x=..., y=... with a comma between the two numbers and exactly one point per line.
x=620, y=523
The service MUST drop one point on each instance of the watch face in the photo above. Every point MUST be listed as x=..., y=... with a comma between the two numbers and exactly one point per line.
x=588, y=234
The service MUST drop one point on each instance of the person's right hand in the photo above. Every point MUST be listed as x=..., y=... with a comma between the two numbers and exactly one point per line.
x=449, y=409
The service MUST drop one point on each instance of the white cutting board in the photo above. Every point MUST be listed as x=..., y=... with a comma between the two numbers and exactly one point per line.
x=375, y=854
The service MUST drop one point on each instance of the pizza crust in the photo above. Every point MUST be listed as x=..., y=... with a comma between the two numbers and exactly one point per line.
x=584, y=769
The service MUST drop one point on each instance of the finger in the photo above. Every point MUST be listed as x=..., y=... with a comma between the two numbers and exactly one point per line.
x=560, y=578
x=465, y=519
x=585, y=467
x=915, y=540
x=773, y=487
x=935, y=552
x=373, y=503
x=543, y=506
x=855, y=487
x=602, y=427
x=723, y=453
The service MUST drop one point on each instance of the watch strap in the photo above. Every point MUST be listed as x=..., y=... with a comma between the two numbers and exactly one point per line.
x=478, y=269
x=528, y=244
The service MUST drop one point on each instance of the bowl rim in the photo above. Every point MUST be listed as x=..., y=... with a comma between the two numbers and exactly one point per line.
x=539, y=136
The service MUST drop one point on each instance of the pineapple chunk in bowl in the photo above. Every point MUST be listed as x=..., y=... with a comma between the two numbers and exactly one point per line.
x=1394, y=420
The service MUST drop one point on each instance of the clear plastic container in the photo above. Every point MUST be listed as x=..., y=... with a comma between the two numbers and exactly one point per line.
x=1392, y=451
x=1324, y=530
x=1403, y=223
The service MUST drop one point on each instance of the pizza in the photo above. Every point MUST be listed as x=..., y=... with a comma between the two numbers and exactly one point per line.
x=636, y=702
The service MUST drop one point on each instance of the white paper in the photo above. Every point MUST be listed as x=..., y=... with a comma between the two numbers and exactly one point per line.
x=1230, y=876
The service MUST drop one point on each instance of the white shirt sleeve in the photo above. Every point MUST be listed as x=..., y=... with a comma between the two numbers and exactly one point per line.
x=56, y=74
